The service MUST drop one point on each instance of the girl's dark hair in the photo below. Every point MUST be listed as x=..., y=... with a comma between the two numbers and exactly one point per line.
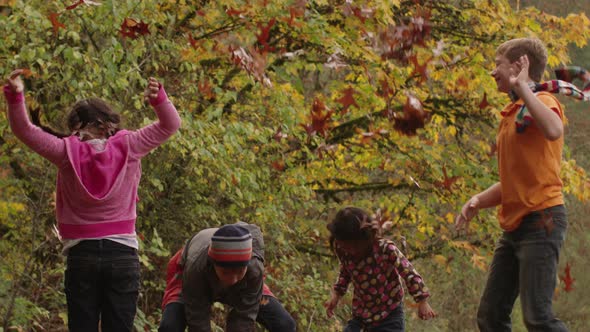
x=36, y=120
x=96, y=112
x=352, y=223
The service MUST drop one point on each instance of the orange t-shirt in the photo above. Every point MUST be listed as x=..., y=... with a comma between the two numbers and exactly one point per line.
x=529, y=166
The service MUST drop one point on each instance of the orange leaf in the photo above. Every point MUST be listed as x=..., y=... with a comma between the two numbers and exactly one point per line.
x=567, y=278
x=55, y=23
x=385, y=91
x=413, y=118
x=194, y=43
x=419, y=69
x=265, y=34
x=72, y=6
x=234, y=12
x=294, y=12
x=484, y=102
x=308, y=129
x=205, y=89
x=347, y=100
x=320, y=120
x=278, y=165
x=130, y=28
x=447, y=182
x=27, y=73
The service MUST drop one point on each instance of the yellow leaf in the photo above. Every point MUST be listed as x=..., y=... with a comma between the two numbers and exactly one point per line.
x=450, y=217
x=440, y=259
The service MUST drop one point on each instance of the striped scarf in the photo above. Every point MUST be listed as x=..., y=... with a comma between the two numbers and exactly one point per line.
x=561, y=86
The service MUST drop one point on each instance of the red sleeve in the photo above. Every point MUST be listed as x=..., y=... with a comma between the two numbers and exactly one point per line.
x=173, y=280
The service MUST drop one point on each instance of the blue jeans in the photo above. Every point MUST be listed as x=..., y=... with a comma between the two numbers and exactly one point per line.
x=392, y=323
x=271, y=315
x=525, y=263
x=101, y=284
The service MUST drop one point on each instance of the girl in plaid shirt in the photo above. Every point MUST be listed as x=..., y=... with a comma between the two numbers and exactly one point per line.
x=375, y=266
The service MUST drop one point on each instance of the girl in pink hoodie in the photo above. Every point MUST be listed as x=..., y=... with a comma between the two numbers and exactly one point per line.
x=99, y=170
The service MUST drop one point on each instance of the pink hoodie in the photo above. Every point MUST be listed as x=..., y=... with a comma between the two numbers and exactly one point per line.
x=96, y=190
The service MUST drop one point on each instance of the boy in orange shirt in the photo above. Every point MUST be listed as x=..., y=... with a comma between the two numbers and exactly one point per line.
x=532, y=214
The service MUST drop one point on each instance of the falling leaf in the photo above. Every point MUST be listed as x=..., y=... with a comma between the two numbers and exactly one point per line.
x=72, y=6
x=382, y=216
x=308, y=129
x=347, y=100
x=27, y=73
x=420, y=70
x=130, y=28
x=447, y=181
x=80, y=2
x=335, y=61
x=205, y=89
x=440, y=259
x=278, y=165
x=421, y=27
x=279, y=135
x=368, y=136
x=264, y=34
x=195, y=44
x=234, y=12
x=567, y=278
x=414, y=117
x=484, y=102
x=440, y=46
x=462, y=82
x=385, y=90
x=252, y=62
x=55, y=23
x=326, y=149
x=320, y=117
x=292, y=55
x=294, y=12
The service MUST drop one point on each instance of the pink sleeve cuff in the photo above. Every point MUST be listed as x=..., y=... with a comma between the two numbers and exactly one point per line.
x=13, y=97
x=162, y=97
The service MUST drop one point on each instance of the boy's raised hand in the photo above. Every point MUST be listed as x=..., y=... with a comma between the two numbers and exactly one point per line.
x=522, y=77
x=425, y=312
x=151, y=91
x=14, y=81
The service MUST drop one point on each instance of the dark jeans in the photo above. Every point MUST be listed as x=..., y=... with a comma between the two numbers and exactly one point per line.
x=272, y=315
x=525, y=263
x=101, y=284
x=392, y=323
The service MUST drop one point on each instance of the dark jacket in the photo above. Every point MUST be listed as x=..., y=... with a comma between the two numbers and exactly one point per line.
x=201, y=288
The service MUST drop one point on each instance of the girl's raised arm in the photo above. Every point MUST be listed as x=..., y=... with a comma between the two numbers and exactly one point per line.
x=46, y=145
x=149, y=137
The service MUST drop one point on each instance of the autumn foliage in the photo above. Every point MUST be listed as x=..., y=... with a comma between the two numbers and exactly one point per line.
x=291, y=109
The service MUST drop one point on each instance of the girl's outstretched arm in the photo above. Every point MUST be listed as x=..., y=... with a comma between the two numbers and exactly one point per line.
x=414, y=282
x=149, y=137
x=46, y=145
x=339, y=288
